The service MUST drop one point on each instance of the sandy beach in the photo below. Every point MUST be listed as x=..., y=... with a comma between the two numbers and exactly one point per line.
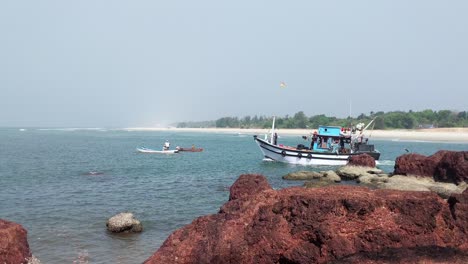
x=434, y=134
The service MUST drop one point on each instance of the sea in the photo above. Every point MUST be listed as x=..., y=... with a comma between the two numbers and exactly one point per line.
x=63, y=185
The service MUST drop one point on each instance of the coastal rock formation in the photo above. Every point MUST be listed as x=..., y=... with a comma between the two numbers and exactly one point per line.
x=452, y=167
x=14, y=247
x=302, y=175
x=363, y=160
x=444, y=166
x=411, y=183
x=459, y=209
x=248, y=184
x=313, y=175
x=341, y=224
x=124, y=222
x=354, y=172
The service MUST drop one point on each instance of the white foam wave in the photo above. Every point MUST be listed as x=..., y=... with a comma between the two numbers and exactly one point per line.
x=385, y=162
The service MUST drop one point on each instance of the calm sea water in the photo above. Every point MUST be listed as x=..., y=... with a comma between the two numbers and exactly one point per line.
x=45, y=186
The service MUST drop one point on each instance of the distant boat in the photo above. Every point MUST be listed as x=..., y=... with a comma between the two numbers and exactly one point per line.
x=192, y=149
x=153, y=151
x=331, y=145
x=22, y=129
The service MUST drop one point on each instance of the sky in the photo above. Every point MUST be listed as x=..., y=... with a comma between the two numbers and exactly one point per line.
x=112, y=63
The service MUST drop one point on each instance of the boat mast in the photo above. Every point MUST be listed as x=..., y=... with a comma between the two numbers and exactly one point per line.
x=272, y=131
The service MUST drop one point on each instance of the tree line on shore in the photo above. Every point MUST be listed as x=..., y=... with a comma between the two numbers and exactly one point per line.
x=389, y=120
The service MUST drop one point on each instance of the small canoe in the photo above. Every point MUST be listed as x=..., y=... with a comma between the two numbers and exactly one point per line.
x=147, y=150
x=191, y=149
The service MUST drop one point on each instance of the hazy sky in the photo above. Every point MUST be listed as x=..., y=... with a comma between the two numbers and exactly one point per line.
x=142, y=63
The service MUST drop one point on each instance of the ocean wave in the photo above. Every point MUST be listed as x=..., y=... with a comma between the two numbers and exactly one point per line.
x=385, y=162
x=73, y=129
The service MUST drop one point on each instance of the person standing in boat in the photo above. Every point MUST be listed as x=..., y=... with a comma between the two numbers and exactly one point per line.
x=166, y=145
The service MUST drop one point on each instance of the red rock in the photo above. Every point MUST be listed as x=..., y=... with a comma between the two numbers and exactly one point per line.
x=341, y=224
x=363, y=160
x=248, y=184
x=414, y=164
x=459, y=210
x=444, y=166
x=452, y=167
x=14, y=247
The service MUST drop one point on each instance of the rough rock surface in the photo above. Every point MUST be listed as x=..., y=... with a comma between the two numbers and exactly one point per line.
x=363, y=160
x=124, y=222
x=444, y=166
x=14, y=247
x=331, y=176
x=336, y=224
x=353, y=172
x=452, y=167
x=248, y=184
x=302, y=175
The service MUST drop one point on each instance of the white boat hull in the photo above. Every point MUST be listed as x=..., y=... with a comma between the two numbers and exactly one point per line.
x=302, y=157
x=152, y=151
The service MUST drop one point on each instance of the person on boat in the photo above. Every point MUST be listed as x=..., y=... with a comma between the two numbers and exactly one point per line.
x=166, y=145
x=275, y=138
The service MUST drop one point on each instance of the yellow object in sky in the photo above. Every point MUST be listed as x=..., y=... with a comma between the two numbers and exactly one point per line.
x=282, y=85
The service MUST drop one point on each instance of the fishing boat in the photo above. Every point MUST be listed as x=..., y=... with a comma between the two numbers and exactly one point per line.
x=330, y=145
x=192, y=149
x=153, y=151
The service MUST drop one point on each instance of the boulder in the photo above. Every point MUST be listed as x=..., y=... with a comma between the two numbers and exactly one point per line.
x=335, y=224
x=452, y=167
x=412, y=183
x=331, y=176
x=124, y=222
x=352, y=172
x=303, y=175
x=14, y=247
x=363, y=160
x=248, y=184
x=444, y=166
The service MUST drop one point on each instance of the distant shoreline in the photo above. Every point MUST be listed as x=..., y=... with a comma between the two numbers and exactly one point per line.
x=433, y=134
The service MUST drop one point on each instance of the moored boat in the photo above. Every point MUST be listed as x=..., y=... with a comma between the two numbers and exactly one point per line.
x=330, y=145
x=153, y=151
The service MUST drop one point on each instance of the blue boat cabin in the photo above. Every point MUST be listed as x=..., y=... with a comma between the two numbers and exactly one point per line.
x=328, y=139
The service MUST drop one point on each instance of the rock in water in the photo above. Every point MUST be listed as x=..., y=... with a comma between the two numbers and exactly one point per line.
x=124, y=222
x=303, y=175
x=444, y=166
x=248, y=184
x=340, y=224
x=363, y=160
x=14, y=247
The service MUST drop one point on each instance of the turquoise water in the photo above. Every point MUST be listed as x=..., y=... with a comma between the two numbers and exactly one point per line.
x=45, y=185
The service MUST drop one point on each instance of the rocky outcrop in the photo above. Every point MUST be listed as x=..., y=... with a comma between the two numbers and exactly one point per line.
x=303, y=175
x=363, y=160
x=354, y=172
x=444, y=166
x=411, y=183
x=452, y=167
x=14, y=247
x=459, y=210
x=248, y=184
x=124, y=222
x=330, y=176
x=340, y=224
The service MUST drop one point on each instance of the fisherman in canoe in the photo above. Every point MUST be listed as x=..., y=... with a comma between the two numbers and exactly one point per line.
x=166, y=145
